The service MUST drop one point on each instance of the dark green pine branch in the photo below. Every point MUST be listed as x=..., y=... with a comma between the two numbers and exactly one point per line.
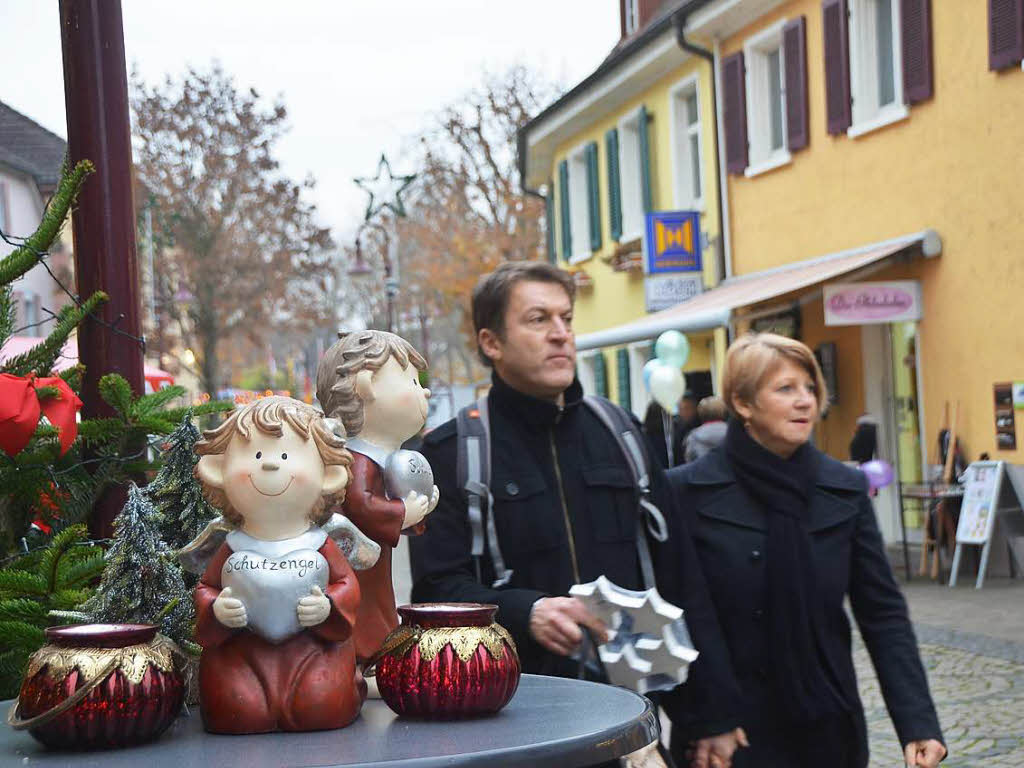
x=41, y=358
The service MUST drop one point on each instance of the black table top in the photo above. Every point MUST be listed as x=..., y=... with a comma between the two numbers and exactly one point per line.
x=549, y=722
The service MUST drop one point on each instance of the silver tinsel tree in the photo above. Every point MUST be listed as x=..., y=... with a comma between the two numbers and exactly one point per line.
x=142, y=582
x=181, y=510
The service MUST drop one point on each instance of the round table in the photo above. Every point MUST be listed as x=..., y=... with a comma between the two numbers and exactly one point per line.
x=549, y=722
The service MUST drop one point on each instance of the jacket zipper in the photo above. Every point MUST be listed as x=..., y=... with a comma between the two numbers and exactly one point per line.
x=565, y=507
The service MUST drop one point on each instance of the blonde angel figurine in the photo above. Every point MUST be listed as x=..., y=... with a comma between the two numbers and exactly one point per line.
x=277, y=601
x=369, y=381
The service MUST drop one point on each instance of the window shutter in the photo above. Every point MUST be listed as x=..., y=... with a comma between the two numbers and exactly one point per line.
x=600, y=375
x=1005, y=33
x=549, y=222
x=645, y=160
x=563, y=198
x=734, y=106
x=916, y=29
x=622, y=376
x=794, y=47
x=835, y=23
x=593, y=196
x=611, y=147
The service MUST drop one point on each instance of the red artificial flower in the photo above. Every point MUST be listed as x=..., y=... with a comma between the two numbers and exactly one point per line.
x=19, y=412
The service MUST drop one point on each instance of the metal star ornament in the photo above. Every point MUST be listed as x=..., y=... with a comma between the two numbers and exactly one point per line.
x=385, y=190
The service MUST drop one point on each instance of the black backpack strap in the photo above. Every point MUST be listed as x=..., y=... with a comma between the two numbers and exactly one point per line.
x=473, y=475
x=631, y=443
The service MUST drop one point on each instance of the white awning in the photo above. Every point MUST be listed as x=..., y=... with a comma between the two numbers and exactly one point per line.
x=714, y=308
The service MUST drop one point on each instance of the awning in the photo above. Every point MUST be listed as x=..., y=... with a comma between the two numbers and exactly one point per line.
x=714, y=308
x=16, y=345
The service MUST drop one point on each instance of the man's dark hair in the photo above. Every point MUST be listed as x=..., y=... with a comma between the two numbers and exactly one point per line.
x=492, y=292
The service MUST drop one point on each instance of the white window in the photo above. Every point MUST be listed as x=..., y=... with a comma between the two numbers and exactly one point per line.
x=766, y=100
x=632, y=10
x=32, y=315
x=585, y=371
x=639, y=354
x=631, y=178
x=876, y=71
x=579, y=207
x=686, y=155
x=5, y=216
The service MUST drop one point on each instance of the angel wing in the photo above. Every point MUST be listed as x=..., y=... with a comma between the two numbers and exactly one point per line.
x=360, y=550
x=195, y=555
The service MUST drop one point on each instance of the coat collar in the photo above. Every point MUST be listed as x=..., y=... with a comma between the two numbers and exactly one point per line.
x=714, y=469
x=535, y=413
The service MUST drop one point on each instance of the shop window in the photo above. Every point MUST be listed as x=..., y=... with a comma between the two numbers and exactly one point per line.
x=686, y=146
x=766, y=100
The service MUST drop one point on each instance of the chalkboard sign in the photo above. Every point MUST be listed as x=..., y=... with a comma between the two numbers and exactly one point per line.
x=983, y=483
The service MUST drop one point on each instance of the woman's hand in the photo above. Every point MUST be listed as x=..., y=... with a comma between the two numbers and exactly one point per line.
x=717, y=751
x=925, y=753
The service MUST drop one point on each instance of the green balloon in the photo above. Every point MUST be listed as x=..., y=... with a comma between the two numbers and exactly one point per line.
x=672, y=348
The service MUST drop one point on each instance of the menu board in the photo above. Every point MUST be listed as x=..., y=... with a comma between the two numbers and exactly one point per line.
x=983, y=482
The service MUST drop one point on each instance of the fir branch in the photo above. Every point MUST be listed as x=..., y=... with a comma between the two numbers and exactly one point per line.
x=23, y=258
x=101, y=430
x=117, y=393
x=147, y=404
x=22, y=609
x=42, y=357
x=8, y=314
x=47, y=393
x=73, y=376
x=49, y=562
x=66, y=600
x=70, y=617
x=18, y=634
x=81, y=572
x=214, y=406
x=18, y=583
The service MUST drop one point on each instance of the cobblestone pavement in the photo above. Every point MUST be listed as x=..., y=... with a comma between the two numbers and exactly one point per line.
x=978, y=687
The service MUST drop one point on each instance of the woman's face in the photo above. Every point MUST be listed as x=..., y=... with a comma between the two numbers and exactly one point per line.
x=784, y=410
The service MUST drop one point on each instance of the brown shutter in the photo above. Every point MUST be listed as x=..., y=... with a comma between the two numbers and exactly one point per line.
x=916, y=28
x=837, y=65
x=1005, y=33
x=734, y=107
x=794, y=48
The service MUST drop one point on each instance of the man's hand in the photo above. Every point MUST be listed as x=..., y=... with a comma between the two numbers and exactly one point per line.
x=229, y=610
x=314, y=608
x=717, y=751
x=926, y=753
x=416, y=507
x=554, y=623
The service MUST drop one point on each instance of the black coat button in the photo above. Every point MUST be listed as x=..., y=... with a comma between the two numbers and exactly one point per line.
x=512, y=489
x=755, y=555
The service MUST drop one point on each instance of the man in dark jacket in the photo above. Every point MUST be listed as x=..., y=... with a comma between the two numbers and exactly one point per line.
x=564, y=504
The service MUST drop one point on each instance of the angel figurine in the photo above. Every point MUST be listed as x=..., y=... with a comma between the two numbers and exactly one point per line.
x=369, y=381
x=277, y=600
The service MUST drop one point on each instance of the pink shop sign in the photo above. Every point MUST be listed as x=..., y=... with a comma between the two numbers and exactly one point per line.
x=870, y=303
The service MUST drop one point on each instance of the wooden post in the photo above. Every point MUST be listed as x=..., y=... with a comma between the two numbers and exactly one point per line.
x=96, y=100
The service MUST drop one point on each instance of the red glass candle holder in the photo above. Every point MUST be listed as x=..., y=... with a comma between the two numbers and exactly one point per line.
x=99, y=685
x=448, y=660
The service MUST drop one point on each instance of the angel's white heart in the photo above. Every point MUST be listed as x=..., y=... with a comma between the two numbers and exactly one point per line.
x=270, y=588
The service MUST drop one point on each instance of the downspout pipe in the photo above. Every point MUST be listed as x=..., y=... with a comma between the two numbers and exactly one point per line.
x=679, y=22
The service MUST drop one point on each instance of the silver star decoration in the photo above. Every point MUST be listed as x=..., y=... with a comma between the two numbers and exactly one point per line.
x=649, y=646
x=385, y=190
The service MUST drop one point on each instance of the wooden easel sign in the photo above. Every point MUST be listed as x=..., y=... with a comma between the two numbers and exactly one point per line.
x=983, y=488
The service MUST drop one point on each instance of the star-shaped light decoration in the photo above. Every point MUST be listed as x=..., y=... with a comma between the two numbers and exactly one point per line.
x=649, y=646
x=385, y=190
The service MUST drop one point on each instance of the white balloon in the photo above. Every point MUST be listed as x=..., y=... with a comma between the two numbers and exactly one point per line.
x=667, y=386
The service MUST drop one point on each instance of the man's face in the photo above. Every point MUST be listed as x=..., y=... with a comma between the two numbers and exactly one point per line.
x=537, y=354
x=687, y=409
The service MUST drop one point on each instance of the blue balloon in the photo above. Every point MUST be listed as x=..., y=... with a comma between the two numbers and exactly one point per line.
x=672, y=348
x=649, y=367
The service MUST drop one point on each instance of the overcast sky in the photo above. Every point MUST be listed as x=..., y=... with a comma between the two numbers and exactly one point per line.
x=357, y=76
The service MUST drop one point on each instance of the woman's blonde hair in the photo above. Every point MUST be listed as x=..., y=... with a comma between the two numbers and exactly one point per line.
x=268, y=416
x=753, y=357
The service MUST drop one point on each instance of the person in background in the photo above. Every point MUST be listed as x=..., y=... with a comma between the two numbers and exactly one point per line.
x=864, y=445
x=682, y=423
x=785, y=535
x=709, y=435
x=685, y=422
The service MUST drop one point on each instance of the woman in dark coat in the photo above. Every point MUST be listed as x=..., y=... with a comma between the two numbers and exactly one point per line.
x=785, y=534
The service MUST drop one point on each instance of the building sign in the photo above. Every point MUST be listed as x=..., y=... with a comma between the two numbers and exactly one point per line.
x=872, y=303
x=672, y=242
x=664, y=291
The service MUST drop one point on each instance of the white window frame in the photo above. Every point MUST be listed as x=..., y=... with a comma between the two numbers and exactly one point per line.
x=865, y=112
x=5, y=209
x=682, y=133
x=631, y=178
x=579, y=205
x=585, y=371
x=639, y=397
x=756, y=50
x=32, y=312
x=632, y=9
